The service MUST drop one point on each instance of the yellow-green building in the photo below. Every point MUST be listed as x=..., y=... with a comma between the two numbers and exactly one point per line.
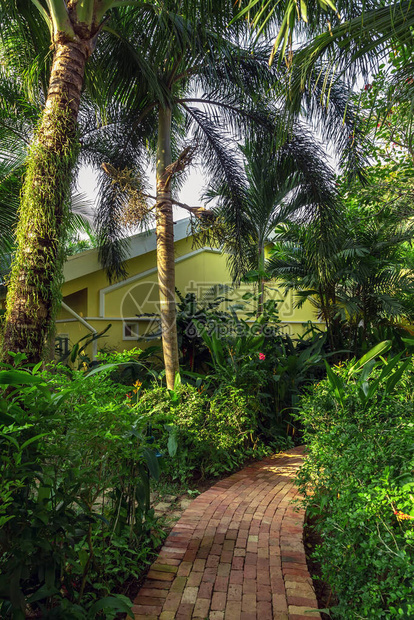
x=90, y=303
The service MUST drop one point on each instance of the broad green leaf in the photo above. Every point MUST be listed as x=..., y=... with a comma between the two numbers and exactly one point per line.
x=380, y=348
x=304, y=10
x=106, y=367
x=177, y=380
x=366, y=371
x=336, y=383
x=390, y=364
x=172, y=443
x=32, y=440
x=118, y=602
x=396, y=376
x=19, y=377
x=83, y=556
x=41, y=593
x=174, y=398
x=152, y=462
x=74, y=353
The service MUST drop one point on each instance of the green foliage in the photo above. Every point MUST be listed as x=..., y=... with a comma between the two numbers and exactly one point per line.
x=270, y=367
x=192, y=312
x=288, y=17
x=386, y=107
x=281, y=179
x=137, y=367
x=364, y=282
x=204, y=435
x=75, y=518
x=76, y=244
x=36, y=275
x=251, y=355
x=77, y=357
x=358, y=479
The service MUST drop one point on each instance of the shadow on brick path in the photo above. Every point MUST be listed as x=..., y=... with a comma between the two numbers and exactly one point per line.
x=236, y=553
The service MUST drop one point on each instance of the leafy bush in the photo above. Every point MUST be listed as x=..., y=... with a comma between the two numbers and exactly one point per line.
x=141, y=366
x=359, y=481
x=271, y=368
x=205, y=435
x=75, y=518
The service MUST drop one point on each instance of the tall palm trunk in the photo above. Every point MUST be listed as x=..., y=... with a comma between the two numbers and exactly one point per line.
x=260, y=280
x=165, y=248
x=35, y=280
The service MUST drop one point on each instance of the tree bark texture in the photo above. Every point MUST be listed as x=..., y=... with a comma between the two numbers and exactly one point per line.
x=165, y=248
x=36, y=276
x=260, y=281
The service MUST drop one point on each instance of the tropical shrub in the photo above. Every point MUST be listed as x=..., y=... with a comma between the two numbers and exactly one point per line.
x=362, y=281
x=202, y=434
x=135, y=366
x=358, y=481
x=206, y=312
x=75, y=519
x=271, y=368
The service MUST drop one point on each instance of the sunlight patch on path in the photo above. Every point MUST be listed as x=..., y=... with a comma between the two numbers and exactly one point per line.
x=236, y=553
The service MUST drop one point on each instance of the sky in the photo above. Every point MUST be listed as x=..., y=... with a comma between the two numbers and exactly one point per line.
x=189, y=194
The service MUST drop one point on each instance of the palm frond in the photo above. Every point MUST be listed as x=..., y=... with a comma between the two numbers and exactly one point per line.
x=357, y=46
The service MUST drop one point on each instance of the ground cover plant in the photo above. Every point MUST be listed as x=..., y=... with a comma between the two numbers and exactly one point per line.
x=359, y=481
x=75, y=516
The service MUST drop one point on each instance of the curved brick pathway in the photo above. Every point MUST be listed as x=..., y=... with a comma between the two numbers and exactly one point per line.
x=236, y=553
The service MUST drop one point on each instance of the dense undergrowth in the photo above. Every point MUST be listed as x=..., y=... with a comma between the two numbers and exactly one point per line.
x=75, y=517
x=204, y=435
x=359, y=483
x=79, y=448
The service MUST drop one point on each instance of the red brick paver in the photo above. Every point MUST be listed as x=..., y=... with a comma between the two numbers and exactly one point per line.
x=236, y=553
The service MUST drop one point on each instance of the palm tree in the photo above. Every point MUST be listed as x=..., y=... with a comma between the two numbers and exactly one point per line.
x=209, y=80
x=360, y=42
x=18, y=121
x=350, y=30
x=37, y=267
x=344, y=38
x=366, y=278
x=190, y=79
x=280, y=182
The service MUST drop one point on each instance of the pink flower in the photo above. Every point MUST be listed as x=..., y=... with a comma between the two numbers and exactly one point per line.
x=262, y=356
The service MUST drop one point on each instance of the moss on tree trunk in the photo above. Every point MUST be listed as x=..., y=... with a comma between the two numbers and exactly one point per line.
x=36, y=276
